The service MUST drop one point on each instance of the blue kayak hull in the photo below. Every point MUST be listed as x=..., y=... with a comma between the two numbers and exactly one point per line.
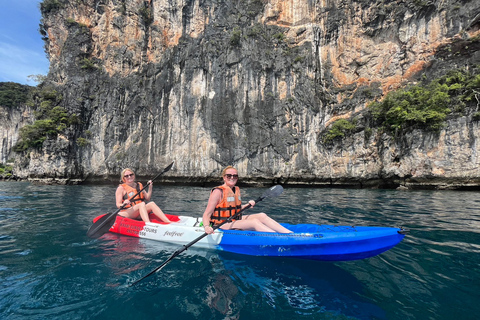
x=314, y=242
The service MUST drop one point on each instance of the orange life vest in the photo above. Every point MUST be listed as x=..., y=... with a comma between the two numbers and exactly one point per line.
x=131, y=192
x=230, y=204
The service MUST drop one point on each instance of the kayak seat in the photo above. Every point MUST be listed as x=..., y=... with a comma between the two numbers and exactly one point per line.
x=171, y=217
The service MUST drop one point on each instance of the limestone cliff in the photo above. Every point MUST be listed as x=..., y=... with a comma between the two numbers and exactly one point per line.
x=253, y=83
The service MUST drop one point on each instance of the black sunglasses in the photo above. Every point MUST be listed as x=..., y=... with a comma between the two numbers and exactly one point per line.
x=128, y=175
x=230, y=176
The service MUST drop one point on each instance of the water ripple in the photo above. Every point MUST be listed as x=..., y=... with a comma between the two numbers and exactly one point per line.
x=50, y=269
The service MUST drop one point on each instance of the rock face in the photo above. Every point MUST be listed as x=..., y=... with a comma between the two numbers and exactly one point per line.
x=253, y=84
x=11, y=121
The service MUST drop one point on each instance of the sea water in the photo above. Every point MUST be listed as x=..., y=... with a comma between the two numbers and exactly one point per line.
x=50, y=269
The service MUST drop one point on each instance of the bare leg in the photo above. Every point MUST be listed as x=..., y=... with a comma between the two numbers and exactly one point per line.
x=129, y=213
x=267, y=221
x=252, y=224
x=258, y=222
x=142, y=209
x=151, y=206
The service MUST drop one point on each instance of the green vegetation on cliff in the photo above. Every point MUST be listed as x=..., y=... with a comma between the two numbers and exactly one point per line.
x=13, y=94
x=47, y=6
x=339, y=129
x=51, y=119
x=425, y=105
x=5, y=171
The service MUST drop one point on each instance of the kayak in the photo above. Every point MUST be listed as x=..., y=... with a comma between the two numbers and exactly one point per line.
x=308, y=241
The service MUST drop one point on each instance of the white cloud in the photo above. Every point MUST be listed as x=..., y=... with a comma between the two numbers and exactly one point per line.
x=18, y=63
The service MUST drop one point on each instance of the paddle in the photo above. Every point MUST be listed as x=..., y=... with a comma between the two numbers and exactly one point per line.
x=102, y=225
x=272, y=192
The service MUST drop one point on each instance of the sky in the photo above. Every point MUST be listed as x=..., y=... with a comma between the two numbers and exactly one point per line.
x=21, y=45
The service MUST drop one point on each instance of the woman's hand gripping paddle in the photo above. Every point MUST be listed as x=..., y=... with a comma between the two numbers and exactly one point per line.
x=272, y=192
x=102, y=225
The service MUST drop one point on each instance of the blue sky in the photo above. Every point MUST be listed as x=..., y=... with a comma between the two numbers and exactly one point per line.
x=21, y=45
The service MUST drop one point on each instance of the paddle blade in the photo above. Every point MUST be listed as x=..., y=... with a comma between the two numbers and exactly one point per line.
x=164, y=170
x=102, y=225
x=168, y=167
x=274, y=191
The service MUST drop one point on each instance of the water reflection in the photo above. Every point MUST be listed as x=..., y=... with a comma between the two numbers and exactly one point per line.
x=234, y=285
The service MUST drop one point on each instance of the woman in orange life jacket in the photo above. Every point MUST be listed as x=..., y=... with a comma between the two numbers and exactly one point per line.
x=225, y=201
x=137, y=206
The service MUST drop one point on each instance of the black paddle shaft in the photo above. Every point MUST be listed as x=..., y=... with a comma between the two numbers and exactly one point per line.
x=102, y=225
x=272, y=192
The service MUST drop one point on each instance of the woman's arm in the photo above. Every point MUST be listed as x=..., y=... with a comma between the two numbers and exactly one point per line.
x=148, y=195
x=251, y=203
x=119, y=197
x=214, y=199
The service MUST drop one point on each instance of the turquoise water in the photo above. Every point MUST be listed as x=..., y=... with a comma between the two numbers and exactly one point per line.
x=49, y=269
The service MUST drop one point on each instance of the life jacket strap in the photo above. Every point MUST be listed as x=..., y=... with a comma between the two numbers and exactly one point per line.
x=217, y=216
x=139, y=198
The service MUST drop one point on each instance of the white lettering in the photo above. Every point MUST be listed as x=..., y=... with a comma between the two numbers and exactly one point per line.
x=152, y=230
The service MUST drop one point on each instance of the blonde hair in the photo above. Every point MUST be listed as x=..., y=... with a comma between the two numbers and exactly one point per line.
x=225, y=170
x=123, y=173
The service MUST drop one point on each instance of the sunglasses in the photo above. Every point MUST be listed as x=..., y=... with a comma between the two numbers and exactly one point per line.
x=128, y=175
x=230, y=176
